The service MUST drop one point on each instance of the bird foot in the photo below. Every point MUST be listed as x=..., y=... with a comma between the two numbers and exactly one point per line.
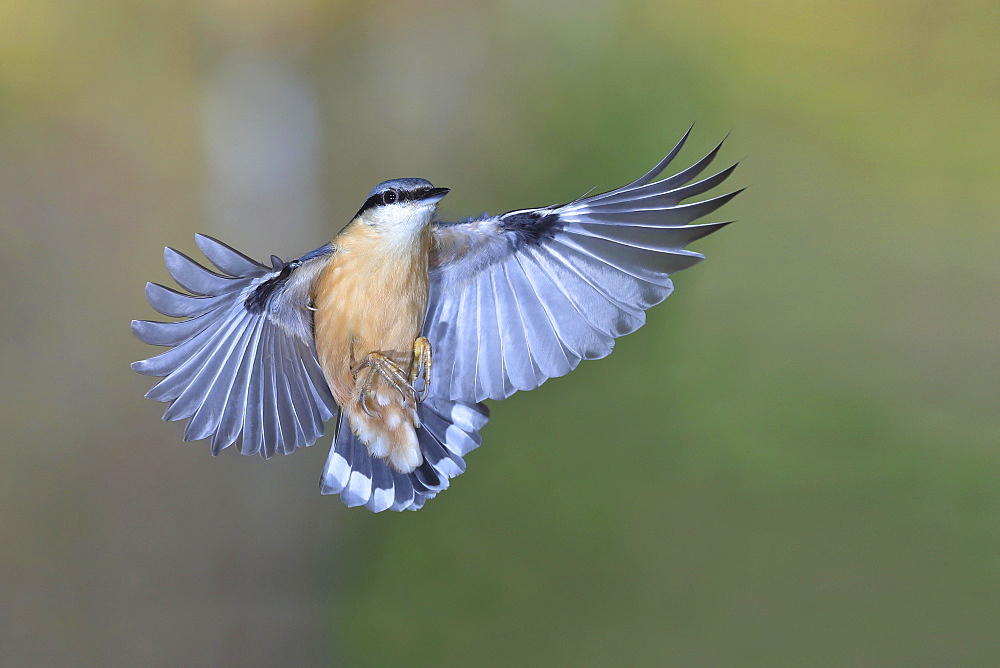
x=377, y=365
x=421, y=367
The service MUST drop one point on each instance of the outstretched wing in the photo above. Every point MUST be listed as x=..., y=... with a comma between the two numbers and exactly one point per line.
x=242, y=364
x=523, y=297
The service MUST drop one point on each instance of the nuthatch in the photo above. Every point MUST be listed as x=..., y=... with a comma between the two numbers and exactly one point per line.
x=402, y=325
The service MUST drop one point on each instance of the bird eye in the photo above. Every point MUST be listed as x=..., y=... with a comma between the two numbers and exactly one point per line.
x=389, y=196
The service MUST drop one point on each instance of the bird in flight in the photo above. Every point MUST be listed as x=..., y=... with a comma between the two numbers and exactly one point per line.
x=402, y=325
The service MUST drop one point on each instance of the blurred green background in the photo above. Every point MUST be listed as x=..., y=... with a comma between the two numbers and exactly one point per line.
x=794, y=463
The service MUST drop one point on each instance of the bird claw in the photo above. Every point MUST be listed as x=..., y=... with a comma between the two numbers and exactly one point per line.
x=421, y=369
x=377, y=365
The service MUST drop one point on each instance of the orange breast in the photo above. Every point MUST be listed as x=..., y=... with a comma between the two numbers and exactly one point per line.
x=371, y=297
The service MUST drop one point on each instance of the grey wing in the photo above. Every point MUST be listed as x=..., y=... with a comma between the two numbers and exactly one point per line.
x=242, y=363
x=523, y=297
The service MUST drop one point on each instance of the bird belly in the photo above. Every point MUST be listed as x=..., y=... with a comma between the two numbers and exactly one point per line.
x=363, y=306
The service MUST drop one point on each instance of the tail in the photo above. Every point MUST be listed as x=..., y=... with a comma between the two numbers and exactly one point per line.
x=449, y=430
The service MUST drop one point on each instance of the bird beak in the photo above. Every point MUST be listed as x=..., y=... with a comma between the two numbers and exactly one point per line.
x=434, y=195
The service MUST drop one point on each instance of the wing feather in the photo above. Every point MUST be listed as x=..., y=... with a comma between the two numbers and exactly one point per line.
x=627, y=293
x=591, y=300
x=661, y=197
x=639, y=263
x=522, y=297
x=273, y=433
x=252, y=438
x=660, y=239
x=291, y=431
x=241, y=366
x=518, y=332
x=227, y=259
x=681, y=214
x=638, y=189
x=300, y=392
x=177, y=304
x=522, y=370
x=197, y=279
x=550, y=357
x=167, y=362
x=572, y=327
x=210, y=391
x=315, y=383
x=183, y=385
x=234, y=414
x=489, y=364
x=466, y=345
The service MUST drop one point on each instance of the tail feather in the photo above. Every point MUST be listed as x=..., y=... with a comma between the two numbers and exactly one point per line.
x=449, y=430
x=359, y=485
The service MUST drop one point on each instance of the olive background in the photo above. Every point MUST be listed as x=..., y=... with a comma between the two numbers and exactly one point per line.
x=795, y=462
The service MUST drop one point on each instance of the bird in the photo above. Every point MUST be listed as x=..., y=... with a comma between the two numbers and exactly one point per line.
x=403, y=325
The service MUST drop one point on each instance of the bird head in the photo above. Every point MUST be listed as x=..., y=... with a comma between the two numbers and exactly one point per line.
x=401, y=205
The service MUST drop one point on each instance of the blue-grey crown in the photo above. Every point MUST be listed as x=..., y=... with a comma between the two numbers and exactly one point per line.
x=403, y=185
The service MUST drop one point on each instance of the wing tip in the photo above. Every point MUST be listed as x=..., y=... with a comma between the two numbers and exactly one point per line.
x=233, y=262
x=718, y=201
x=139, y=331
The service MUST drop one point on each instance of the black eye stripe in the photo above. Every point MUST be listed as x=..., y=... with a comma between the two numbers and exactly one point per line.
x=370, y=203
x=401, y=196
